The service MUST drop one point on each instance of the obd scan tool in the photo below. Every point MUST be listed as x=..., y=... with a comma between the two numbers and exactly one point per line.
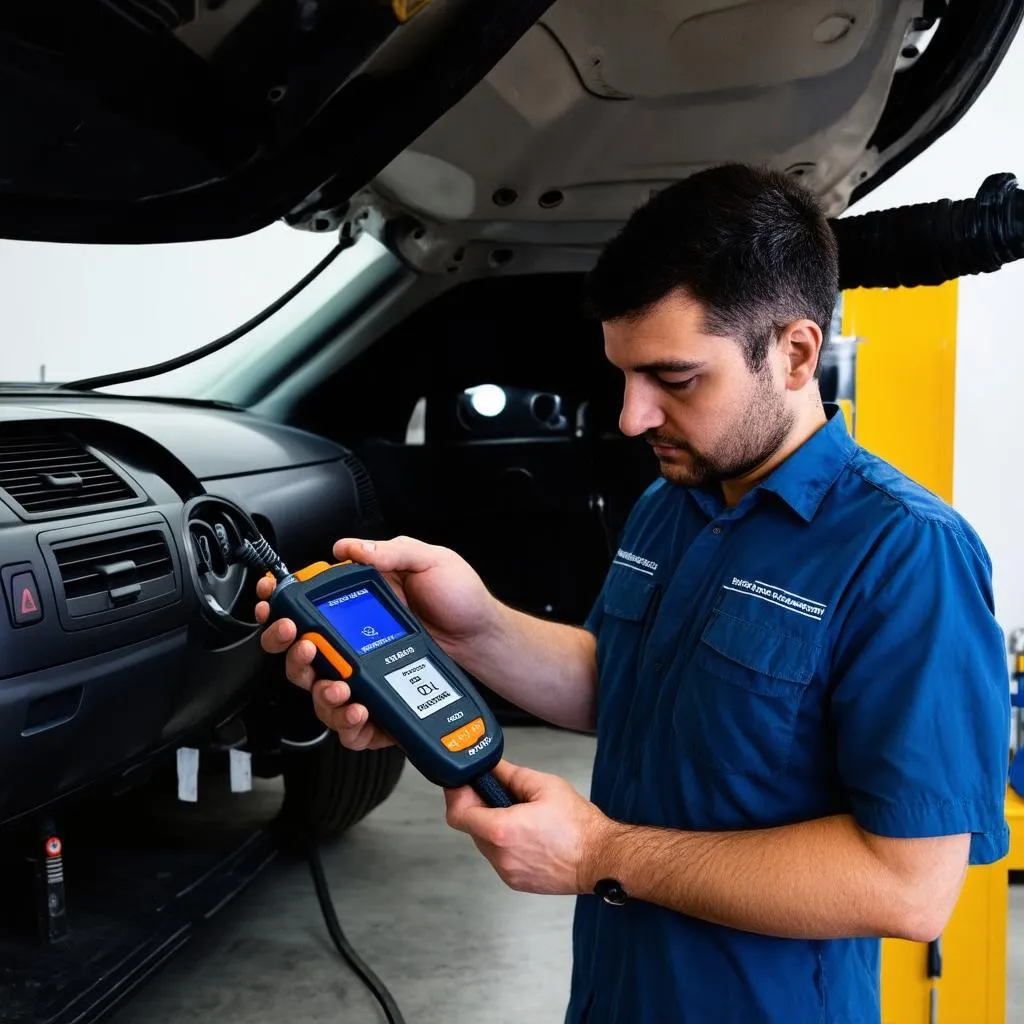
x=412, y=689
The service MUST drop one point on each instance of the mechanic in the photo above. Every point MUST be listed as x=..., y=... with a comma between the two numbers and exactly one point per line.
x=797, y=682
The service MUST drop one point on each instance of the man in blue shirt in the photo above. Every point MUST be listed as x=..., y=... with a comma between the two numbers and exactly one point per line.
x=793, y=668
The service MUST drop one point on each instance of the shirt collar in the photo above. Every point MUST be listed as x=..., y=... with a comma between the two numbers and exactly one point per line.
x=803, y=480
x=708, y=499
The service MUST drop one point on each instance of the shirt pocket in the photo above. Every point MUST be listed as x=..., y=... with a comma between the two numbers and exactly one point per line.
x=737, y=707
x=627, y=594
x=630, y=604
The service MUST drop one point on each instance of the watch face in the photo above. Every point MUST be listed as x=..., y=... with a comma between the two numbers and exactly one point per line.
x=611, y=892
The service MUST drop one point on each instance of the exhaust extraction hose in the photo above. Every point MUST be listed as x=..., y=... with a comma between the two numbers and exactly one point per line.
x=928, y=243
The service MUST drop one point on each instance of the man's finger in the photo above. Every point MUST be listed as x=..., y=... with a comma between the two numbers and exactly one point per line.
x=464, y=796
x=524, y=783
x=478, y=822
x=265, y=586
x=356, y=715
x=402, y=554
x=330, y=695
x=468, y=813
x=262, y=612
x=361, y=738
x=278, y=636
x=350, y=721
x=298, y=664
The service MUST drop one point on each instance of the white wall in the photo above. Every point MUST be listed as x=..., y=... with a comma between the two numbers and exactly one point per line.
x=83, y=310
x=988, y=472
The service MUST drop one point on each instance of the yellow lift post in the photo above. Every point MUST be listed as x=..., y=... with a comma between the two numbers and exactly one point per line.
x=909, y=334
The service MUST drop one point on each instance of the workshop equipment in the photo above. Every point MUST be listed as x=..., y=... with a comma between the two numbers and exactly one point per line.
x=931, y=243
x=934, y=973
x=911, y=334
x=1016, y=647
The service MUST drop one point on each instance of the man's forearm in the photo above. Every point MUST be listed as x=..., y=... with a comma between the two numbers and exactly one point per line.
x=817, y=879
x=546, y=668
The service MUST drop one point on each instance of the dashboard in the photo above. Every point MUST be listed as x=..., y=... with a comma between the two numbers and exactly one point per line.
x=128, y=621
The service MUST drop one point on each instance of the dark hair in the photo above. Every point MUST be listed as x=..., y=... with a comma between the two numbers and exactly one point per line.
x=749, y=244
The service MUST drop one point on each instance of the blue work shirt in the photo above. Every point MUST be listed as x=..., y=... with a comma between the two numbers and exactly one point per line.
x=827, y=646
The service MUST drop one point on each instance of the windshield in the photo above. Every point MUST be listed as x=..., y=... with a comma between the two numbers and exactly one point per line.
x=75, y=311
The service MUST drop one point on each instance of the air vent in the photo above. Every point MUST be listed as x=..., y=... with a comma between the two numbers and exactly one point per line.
x=368, y=504
x=46, y=475
x=125, y=570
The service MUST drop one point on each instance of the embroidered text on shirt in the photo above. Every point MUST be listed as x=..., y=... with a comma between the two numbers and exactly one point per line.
x=630, y=561
x=777, y=596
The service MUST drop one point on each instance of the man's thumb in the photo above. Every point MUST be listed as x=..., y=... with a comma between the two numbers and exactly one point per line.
x=523, y=783
x=354, y=549
x=400, y=554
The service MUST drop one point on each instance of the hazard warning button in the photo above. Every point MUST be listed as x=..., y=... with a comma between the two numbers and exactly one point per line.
x=25, y=605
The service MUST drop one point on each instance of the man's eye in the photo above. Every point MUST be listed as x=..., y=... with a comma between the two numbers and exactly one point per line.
x=679, y=385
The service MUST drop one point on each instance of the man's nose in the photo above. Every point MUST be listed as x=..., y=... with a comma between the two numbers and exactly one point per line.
x=640, y=411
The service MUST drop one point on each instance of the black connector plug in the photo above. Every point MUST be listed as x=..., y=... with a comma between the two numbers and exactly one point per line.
x=260, y=555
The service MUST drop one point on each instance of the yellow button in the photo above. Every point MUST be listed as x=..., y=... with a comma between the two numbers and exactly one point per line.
x=465, y=736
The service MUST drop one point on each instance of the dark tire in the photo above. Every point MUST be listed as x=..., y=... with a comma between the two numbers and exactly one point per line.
x=329, y=788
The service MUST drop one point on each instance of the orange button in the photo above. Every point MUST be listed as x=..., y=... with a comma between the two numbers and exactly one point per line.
x=314, y=570
x=310, y=571
x=465, y=736
x=343, y=668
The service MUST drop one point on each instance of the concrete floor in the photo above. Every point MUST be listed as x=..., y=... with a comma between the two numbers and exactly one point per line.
x=447, y=951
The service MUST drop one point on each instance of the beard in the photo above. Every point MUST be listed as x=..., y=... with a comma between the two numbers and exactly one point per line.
x=754, y=437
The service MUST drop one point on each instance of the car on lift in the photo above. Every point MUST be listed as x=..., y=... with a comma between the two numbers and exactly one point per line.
x=470, y=158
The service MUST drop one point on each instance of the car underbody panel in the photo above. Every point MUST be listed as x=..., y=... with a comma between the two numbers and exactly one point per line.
x=145, y=121
x=602, y=102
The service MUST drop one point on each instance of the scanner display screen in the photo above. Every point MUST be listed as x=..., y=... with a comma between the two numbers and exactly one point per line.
x=362, y=620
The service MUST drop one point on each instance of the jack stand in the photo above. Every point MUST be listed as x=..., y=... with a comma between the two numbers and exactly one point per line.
x=1016, y=645
x=1017, y=773
x=46, y=860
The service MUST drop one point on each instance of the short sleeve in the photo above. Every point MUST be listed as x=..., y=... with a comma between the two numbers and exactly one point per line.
x=592, y=623
x=920, y=702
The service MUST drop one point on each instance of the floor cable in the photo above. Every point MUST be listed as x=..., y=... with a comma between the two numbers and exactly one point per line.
x=341, y=943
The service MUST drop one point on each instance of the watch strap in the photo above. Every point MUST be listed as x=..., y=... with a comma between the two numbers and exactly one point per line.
x=611, y=891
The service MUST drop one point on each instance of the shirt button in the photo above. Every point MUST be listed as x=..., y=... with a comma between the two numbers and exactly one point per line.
x=717, y=529
x=658, y=666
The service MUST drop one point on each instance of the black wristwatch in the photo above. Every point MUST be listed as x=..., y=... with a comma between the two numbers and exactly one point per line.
x=611, y=892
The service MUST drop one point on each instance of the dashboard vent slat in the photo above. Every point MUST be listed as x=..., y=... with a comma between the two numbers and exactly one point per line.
x=102, y=573
x=51, y=474
x=369, y=506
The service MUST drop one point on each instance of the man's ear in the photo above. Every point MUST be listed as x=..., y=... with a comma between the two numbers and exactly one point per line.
x=800, y=346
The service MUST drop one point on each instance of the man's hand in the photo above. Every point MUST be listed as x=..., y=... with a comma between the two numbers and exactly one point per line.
x=440, y=588
x=819, y=879
x=546, y=668
x=544, y=844
x=330, y=697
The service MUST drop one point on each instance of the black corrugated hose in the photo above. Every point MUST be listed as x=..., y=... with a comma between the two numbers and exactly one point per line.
x=928, y=243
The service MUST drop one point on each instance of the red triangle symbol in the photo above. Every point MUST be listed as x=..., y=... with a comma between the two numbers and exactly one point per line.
x=28, y=602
